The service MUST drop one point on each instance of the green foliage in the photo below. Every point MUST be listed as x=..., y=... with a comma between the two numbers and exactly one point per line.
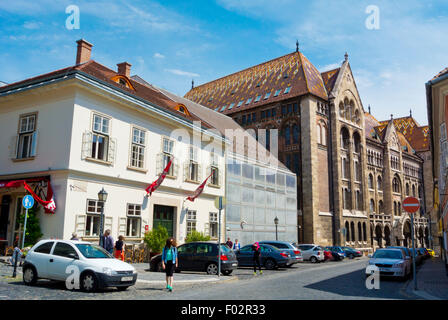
x=197, y=236
x=33, y=232
x=156, y=239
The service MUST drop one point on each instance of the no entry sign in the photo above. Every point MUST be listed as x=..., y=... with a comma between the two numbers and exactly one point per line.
x=411, y=204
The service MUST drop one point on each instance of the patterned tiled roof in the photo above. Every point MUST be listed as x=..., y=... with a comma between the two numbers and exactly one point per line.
x=441, y=73
x=329, y=78
x=264, y=83
x=416, y=135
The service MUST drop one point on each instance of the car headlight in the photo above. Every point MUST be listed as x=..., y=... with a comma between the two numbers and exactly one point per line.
x=398, y=265
x=109, y=271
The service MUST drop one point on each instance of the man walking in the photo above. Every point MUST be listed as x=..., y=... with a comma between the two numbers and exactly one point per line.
x=108, y=242
x=229, y=243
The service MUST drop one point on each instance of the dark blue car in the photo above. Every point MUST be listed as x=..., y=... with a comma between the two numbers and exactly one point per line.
x=270, y=258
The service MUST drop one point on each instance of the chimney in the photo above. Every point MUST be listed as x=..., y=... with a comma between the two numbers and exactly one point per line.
x=124, y=69
x=84, y=51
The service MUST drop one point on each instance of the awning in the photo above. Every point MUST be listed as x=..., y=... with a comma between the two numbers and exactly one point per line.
x=48, y=204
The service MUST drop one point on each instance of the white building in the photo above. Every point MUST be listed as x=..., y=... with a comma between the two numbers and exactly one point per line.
x=87, y=127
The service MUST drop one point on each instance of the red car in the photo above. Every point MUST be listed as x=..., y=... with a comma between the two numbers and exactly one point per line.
x=328, y=255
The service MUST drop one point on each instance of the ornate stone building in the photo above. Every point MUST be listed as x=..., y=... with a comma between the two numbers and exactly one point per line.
x=322, y=138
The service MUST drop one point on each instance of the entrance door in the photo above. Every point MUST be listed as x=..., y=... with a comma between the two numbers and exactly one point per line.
x=18, y=227
x=164, y=216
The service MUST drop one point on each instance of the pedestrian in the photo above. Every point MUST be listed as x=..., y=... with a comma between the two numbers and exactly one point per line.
x=17, y=253
x=169, y=261
x=108, y=242
x=257, y=251
x=236, y=245
x=74, y=236
x=229, y=243
x=119, y=254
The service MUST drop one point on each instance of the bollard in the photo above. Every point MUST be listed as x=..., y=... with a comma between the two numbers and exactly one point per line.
x=15, y=264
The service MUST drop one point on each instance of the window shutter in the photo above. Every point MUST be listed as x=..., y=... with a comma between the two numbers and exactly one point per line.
x=220, y=177
x=108, y=223
x=199, y=172
x=159, y=163
x=176, y=167
x=208, y=172
x=111, y=150
x=80, y=225
x=207, y=229
x=87, y=139
x=186, y=170
x=13, y=147
x=122, y=223
x=34, y=144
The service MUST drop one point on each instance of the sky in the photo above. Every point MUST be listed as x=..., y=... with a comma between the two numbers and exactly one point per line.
x=394, y=47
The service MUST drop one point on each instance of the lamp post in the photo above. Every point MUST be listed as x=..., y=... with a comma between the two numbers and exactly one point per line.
x=276, y=223
x=102, y=197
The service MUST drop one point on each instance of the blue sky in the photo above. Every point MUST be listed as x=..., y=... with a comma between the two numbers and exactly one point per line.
x=171, y=42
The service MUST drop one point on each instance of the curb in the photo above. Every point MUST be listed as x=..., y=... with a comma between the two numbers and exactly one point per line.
x=183, y=281
x=425, y=295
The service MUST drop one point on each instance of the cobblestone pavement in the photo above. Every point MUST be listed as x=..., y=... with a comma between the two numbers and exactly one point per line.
x=329, y=280
x=432, y=280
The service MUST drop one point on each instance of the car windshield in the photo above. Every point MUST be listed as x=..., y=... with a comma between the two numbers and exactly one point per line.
x=387, y=254
x=225, y=249
x=93, y=251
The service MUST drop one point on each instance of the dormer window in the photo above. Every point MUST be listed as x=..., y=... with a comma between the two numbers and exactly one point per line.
x=287, y=90
x=277, y=93
x=120, y=79
x=182, y=109
x=122, y=82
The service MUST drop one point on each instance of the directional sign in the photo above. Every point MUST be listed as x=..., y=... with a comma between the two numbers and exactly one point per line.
x=28, y=202
x=411, y=204
x=220, y=202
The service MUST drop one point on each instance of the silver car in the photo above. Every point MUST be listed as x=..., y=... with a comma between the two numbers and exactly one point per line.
x=390, y=262
x=311, y=252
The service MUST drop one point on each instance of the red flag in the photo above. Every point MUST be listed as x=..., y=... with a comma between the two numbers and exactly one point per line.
x=199, y=190
x=153, y=186
x=49, y=204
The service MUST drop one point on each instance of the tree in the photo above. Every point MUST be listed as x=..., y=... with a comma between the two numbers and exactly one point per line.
x=32, y=232
x=196, y=236
x=156, y=239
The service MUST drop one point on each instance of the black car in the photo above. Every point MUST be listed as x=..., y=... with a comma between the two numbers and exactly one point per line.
x=337, y=253
x=270, y=257
x=200, y=256
x=351, y=253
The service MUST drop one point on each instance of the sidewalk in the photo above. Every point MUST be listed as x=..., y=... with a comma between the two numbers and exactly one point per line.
x=432, y=281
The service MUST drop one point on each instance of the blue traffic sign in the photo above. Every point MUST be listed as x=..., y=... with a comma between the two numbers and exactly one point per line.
x=28, y=202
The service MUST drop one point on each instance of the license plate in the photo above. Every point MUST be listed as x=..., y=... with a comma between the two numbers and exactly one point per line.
x=234, y=264
x=127, y=278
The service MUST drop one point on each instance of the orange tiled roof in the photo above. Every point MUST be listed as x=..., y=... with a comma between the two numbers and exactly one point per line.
x=416, y=135
x=293, y=70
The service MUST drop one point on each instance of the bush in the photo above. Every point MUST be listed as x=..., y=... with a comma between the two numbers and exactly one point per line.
x=196, y=236
x=156, y=239
x=32, y=233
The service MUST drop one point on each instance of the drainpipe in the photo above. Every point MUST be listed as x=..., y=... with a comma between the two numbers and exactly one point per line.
x=330, y=174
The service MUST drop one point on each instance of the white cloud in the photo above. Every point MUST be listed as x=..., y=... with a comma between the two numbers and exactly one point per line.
x=158, y=55
x=182, y=73
x=32, y=25
x=329, y=67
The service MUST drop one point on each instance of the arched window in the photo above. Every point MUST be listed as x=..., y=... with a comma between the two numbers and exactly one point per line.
x=413, y=190
x=372, y=206
x=341, y=110
x=358, y=200
x=380, y=206
x=379, y=183
x=396, y=185
x=287, y=135
x=318, y=133
x=295, y=133
x=357, y=142
x=370, y=183
x=407, y=189
x=352, y=230
x=324, y=135
x=347, y=232
x=364, y=231
x=359, y=232
x=345, y=139
x=399, y=208
x=395, y=208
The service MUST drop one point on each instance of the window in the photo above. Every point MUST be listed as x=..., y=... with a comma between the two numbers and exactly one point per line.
x=287, y=90
x=45, y=247
x=379, y=183
x=191, y=221
x=100, y=138
x=396, y=185
x=213, y=224
x=274, y=112
x=268, y=113
x=370, y=183
x=372, y=205
x=277, y=92
x=318, y=132
x=193, y=166
x=93, y=218
x=240, y=104
x=167, y=155
x=249, y=101
x=283, y=110
x=243, y=119
x=138, y=148
x=27, y=139
x=258, y=98
x=287, y=135
x=231, y=106
x=63, y=250
x=295, y=133
x=254, y=117
x=262, y=115
x=214, y=178
x=267, y=95
x=134, y=222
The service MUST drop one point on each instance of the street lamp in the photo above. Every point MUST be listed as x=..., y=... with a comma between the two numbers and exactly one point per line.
x=276, y=223
x=102, y=197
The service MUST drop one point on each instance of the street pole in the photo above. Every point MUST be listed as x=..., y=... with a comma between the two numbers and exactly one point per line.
x=276, y=233
x=101, y=224
x=24, y=229
x=413, y=252
x=219, y=236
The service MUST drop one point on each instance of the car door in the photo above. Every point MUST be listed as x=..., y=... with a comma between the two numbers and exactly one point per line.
x=60, y=259
x=204, y=255
x=40, y=258
x=185, y=253
x=306, y=251
x=245, y=256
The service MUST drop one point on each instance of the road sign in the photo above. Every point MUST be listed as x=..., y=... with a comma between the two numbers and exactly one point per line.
x=28, y=202
x=411, y=204
x=220, y=202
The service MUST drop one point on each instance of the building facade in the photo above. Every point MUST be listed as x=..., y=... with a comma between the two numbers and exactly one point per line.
x=323, y=139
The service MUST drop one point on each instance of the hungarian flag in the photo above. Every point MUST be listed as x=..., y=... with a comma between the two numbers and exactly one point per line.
x=199, y=190
x=153, y=186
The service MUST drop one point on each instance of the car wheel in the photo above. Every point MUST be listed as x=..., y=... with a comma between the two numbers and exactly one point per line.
x=351, y=256
x=227, y=272
x=122, y=288
x=89, y=282
x=29, y=275
x=212, y=268
x=270, y=264
x=313, y=259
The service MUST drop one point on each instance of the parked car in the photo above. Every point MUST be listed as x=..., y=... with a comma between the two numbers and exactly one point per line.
x=311, y=252
x=406, y=250
x=425, y=254
x=328, y=255
x=270, y=257
x=351, y=253
x=200, y=256
x=417, y=256
x=295, y=253
x=391, y=263
x=337, y=253
x=431, y=252
x=49, y=259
